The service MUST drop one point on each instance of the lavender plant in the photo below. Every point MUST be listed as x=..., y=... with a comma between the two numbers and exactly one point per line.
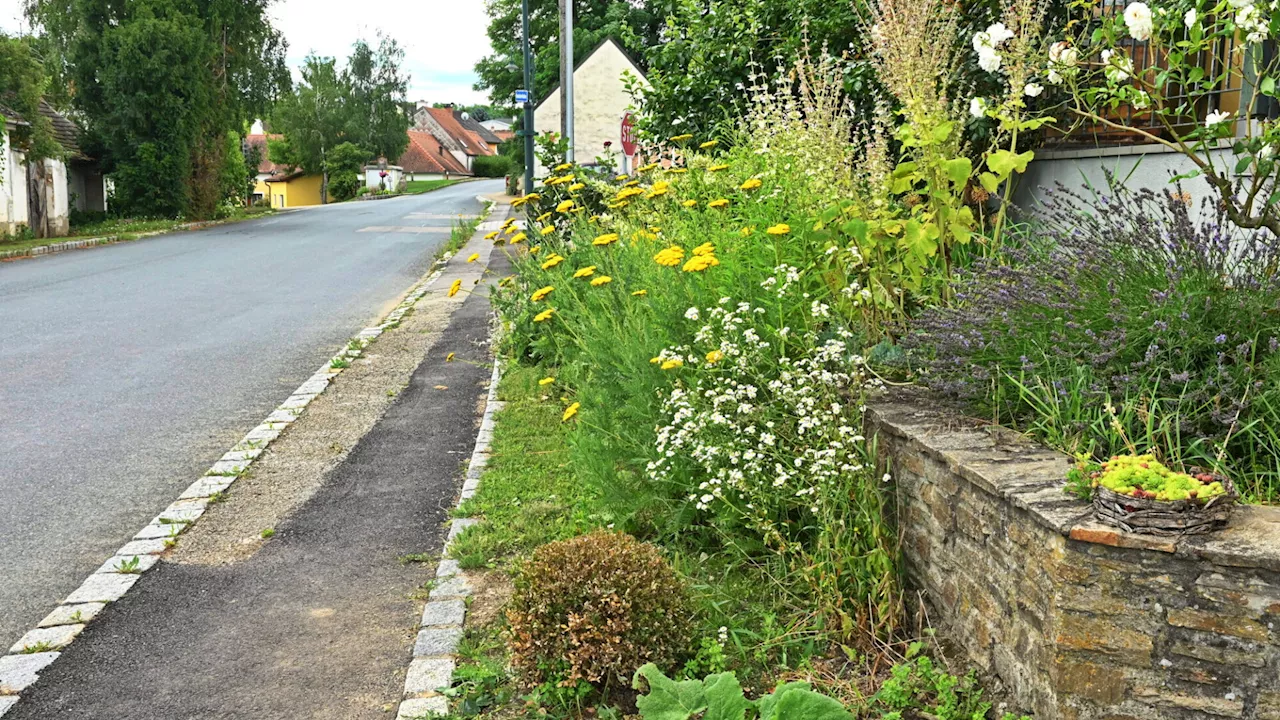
x=1169, y=316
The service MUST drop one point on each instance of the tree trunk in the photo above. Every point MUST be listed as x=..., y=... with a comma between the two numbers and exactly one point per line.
x=324, y=188
x=37, y=199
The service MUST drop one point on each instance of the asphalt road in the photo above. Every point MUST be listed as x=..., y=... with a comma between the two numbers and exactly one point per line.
x=127, y=370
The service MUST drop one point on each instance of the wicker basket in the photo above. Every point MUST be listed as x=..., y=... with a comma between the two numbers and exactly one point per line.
x=1165, y=517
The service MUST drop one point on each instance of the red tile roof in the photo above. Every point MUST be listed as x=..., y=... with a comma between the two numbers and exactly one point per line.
x=471, y=141
x=264, y=165
x=425, y=155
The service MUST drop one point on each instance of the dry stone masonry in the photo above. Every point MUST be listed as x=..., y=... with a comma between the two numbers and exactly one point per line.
x=1078, y=620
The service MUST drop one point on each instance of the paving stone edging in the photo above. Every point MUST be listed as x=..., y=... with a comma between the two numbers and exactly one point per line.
x=40, y=646
x=445, y=613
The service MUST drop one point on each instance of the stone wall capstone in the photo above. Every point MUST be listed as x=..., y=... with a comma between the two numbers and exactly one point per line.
x=1078, y=620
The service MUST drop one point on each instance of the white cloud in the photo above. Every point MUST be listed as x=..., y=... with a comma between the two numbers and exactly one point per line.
x=442, y=39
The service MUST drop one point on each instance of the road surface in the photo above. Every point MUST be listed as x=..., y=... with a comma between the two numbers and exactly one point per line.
x=129, y=369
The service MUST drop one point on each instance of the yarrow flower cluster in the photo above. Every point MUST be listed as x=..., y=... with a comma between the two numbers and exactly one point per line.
x=769, y=426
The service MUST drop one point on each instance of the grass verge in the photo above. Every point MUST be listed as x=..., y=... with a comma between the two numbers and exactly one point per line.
x=123, y=229
x=417, y=187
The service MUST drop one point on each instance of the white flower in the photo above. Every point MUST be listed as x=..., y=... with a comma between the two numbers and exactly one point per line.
x=1237, y=4
x=989, y=60
x=1140, y=100
x=1253, y=23
x=1216, y=117
x=1118, y=69
x=978, y=107
x=691, y=313
x=1137, y=16
x=1032, y=90
x=1190, y=18
x=1062, y=57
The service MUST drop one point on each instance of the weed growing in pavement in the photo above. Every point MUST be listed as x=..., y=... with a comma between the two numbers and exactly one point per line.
x=267, y=533
x=170, y=543
x=339, y=363
x=130, y=566
x=418, y=558
x=42, y=646
x=218, y=497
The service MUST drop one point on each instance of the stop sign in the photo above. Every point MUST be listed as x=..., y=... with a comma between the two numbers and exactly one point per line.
x=628, y=135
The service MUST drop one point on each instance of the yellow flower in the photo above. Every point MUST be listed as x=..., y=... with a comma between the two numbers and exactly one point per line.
x=474, y=257
x=570, y=412
x=519, y=201
x=621, y=177
x=449, y=357
x=564, y=206
x=616, y=205
x=672, y=364
x=517, y=238
x=647, y=168
x=534, y=250
x=752, y=184
x=669, y=257
x=661, y=185
x=605, y=239
x=677, y=170
x=577, y=210
x=709, y=144
x=532, y=196
x=655, y=360
x=585, y=272
x=682, y=138
x=455, y=287
x=718, y=167
x=719, y=203
x=746, y=231
x=633, y=183
x=715, y=356
x=548, y=229
x=698, y=263
x=705, y=249
x=779, y=229
x=552, y=261
x=640, y=293
x=655, y=229
x=562, y=167
x=644, y=235
x=628, y=192
x=541, y=293
x=544, y=315
x=603, y=279
x=543, y=217
x=656, y=192
x=690, y=203
x=491, y=235
x=576, y=187
x=593, y=218
x=546, y=381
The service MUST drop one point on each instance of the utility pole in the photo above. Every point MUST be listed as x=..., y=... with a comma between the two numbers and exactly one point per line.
x=566, y=75
x=528, y=102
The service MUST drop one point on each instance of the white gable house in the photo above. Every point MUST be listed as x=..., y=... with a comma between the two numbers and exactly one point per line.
x=600, y=100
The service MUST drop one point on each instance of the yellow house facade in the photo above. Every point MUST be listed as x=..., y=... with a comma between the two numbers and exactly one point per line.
x=293, y=190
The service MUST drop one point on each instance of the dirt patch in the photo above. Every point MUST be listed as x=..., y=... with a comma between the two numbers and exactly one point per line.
x=490, y=592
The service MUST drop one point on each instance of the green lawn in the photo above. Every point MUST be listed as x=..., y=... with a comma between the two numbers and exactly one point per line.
x=124, y=228
x=414, y=187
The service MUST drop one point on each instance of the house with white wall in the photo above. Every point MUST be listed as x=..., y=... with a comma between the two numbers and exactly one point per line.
x=40, y=195
x=600, y=100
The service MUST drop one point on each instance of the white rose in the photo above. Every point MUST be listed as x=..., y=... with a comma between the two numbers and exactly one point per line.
x=989, y=60
x=1137, y=16
x=1141, y=100
x=1190, y=18
x=1119, y=69
x=1216, y=117
x=998, y=34
x=1032, y=90
x=978, y=107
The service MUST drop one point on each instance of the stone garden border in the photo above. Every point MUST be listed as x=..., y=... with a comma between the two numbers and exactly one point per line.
x=40, y=646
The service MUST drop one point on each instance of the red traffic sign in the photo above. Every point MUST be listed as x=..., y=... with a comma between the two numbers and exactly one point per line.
x=628, y=135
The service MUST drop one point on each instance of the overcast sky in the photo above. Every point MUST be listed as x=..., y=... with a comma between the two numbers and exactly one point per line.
x=442, y=38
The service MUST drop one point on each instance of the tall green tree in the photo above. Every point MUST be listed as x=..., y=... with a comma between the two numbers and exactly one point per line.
x=160, y=83
x=635, y=24
x=23, y=83
x=375, y=89
x=312, y=121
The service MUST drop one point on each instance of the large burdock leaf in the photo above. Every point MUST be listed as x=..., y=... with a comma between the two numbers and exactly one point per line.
x=725, y=700
x=668, y=699
x=795, y=701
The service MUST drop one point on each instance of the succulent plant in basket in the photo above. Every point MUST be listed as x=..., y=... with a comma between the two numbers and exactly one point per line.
x=1140, y=494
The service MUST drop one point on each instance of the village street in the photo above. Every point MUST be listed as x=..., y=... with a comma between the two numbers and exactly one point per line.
x=129, y=369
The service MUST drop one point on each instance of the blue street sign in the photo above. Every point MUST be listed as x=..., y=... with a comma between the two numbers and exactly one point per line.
x=522, y=96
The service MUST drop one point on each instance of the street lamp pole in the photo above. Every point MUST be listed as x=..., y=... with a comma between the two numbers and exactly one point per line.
x=528, y=103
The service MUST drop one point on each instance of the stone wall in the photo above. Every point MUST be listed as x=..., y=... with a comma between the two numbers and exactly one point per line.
x=1078, y=620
